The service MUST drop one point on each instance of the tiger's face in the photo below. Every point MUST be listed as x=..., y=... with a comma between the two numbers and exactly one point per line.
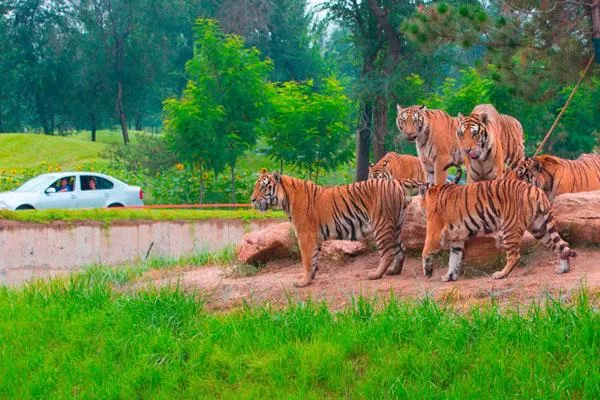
x=411, y=121
x=472, y=134
x=531, y=170
x=380, y=171
x=265, y=191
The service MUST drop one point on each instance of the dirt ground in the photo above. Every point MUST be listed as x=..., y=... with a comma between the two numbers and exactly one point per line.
x=338, y=281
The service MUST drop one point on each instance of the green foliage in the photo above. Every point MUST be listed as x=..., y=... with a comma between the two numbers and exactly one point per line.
x=97, y=342
x=215, y=119
x=309, y=127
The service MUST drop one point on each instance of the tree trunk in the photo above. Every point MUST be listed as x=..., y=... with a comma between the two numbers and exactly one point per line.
x=596, y=27
x=201, y=196
x=281, y=165
x=121, y=112
x=233, y=183
x=363, y=135
x=93, y=127
x=380, y=127
x=138, y=122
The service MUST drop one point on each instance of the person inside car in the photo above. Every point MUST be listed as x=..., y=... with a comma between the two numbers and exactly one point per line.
x=92, y=184
x=65, y=186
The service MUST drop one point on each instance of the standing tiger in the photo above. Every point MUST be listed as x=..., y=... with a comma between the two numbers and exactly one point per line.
x=434, y=132
x=339, y=212
x=397, y=166
x=488, y=140
x=454, y=213
x=555, y=175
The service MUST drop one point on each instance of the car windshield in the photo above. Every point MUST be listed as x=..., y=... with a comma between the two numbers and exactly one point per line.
x=36, y=184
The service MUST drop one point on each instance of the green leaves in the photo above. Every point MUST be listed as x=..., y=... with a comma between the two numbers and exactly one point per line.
x=217, y=116
x=309, y=125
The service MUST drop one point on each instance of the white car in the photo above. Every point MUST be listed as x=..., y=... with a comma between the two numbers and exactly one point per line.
x=72, y=190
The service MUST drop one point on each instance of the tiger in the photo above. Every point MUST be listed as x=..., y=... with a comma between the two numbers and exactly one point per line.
x=555, y=175
x=488, y=140
x=347, y=212
x=397, y=166
x=456, y=212
x=434, y=134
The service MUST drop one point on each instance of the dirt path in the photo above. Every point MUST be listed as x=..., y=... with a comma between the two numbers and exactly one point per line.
x=337, y=282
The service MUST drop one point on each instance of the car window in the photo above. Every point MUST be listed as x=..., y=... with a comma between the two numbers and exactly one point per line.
x=38, y=183
x=64, y=184
x=89, y=182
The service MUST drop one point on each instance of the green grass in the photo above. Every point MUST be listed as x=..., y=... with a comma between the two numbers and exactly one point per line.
x=106, y=136
x=109, y=215
x=80, y=338
x=21, y=151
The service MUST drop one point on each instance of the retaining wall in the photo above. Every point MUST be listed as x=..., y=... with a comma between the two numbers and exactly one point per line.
x=30, y=250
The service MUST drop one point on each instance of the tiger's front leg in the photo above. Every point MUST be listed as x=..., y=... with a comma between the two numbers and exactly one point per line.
x=309, y=251
x=456, y=255
x=432, y=246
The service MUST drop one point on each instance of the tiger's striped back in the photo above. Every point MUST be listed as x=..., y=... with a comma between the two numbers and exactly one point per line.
x=397, y=166
x=555, y=175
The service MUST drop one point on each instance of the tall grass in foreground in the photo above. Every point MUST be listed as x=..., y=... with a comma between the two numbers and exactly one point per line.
x=80, y=338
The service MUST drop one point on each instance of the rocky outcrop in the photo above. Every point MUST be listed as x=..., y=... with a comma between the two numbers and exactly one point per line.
x=577, y=217
x=277, y=241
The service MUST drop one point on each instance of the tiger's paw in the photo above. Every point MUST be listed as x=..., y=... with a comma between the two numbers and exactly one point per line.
x=393, y=272
x=373, y=276
x=427, y=267
x=302, y=283
x=450, y=276
x=563, y=266
x=499, y=275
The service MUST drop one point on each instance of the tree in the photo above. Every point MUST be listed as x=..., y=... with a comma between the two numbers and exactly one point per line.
x=217, y=116
x=309, y=126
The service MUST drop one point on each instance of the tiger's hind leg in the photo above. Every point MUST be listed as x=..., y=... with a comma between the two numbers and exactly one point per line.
x=512, y=245
x=544, y=230
x=309, y=250
x=398, y=261
x=390, y=250
x=456, y=255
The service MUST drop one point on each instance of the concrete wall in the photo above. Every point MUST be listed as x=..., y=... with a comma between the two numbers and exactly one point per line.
x=42, y=250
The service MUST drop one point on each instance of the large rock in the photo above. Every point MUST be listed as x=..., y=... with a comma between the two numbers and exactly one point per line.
x=577, y=217
x=340, y=249
x=277, y=241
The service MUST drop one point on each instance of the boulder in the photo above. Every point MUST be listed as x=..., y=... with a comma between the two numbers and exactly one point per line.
x=340, y=249
x=277, y=241
x=577, y=217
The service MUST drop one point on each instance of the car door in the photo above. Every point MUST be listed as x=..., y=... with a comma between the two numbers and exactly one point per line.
x=95, y=197
x=58, y=198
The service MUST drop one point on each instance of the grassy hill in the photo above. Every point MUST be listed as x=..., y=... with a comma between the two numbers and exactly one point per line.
x=21, y=151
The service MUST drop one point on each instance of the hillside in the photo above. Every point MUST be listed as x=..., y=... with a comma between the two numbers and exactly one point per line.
x=21, y=151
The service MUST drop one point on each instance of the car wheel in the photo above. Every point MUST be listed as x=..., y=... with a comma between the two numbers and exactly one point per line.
x=25, y=207
x=113, y=205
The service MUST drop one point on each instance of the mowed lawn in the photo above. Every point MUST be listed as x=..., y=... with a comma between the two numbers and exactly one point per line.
x=22, y=151
x=86, y=338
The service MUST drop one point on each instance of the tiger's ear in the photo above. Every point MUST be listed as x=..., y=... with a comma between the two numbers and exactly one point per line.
x=423, y=107
x=277, y=177
x=459, y=116
x=371, y=165
x=398, y=107
x=483, y=118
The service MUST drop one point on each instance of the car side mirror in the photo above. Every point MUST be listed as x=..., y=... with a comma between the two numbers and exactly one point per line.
x=51, y=190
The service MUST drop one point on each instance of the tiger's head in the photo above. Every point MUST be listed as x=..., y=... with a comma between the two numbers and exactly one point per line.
x=380, y=170
x=266, y=193
x=534, y=171
x=473, y=136
x=412, y=121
